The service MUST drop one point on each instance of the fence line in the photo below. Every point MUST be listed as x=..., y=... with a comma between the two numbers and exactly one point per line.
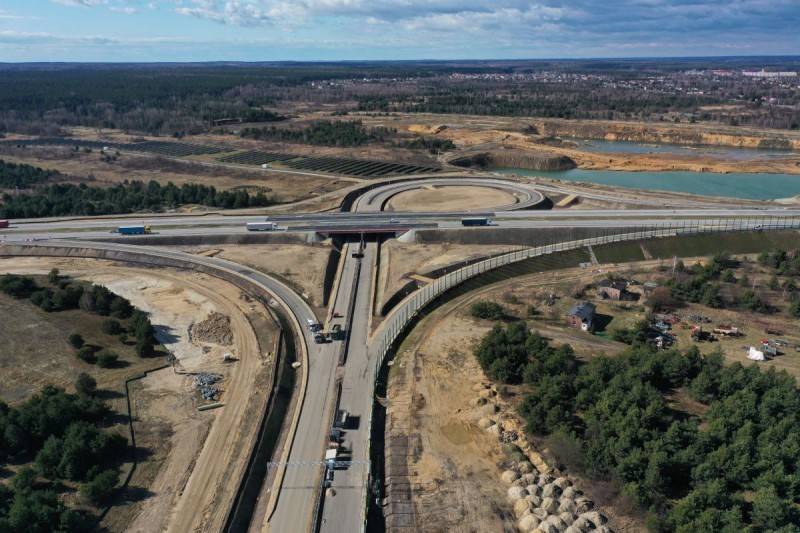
x=404, y=312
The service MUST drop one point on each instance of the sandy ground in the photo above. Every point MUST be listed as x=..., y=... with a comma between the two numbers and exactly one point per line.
x=454, y=465
x=303, y=267
x=493, y=132
x=443, y=199
x=167, y=491
x=399, y=261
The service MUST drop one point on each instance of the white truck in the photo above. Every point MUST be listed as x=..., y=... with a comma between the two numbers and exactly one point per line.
x=262, y=226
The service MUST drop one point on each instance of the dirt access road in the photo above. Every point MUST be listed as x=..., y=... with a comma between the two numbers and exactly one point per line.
x=193, y=488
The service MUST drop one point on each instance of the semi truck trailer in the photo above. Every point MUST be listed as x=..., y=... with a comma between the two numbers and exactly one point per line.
x=3, y=223
x=262, y=226
x=475, y=221
x=133, y=230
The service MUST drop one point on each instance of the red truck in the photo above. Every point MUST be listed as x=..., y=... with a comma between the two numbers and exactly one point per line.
x=3, y=223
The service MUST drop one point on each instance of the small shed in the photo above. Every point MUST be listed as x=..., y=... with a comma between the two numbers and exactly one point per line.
x=613, y=289
x=581, y=316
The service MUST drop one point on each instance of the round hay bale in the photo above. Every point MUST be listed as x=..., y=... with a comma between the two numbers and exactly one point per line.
x=520, y=506
x=537, y=490
x=551, y=491
x=570, y=492
x=549, y=505
x=547, y=527
x=544, y=479
x=487, y=393
x=557, y=523
x=517, y=493
x=598, y=519
x=525, y=467
x=509, y=476
x=494, y=430
x=487, y=410
x=539, y=513
x=568, y=518
x=528, y=523
x=567, y=505
x=583, y=524
x=530, y=479
x=534, y=500
x=485, y=422
x=562, y=482
x=477, y=402
x=583, y=505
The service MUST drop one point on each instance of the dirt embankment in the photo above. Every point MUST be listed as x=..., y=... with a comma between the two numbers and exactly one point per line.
x=515, y=159
x=689, y=134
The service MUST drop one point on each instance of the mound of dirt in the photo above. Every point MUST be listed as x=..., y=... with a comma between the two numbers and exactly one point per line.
x=215, y=328
x=515, y=159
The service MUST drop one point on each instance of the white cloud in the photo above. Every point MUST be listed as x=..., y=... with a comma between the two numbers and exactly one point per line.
x=84, y=3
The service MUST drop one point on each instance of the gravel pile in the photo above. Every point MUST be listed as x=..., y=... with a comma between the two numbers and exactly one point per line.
x=215, y=328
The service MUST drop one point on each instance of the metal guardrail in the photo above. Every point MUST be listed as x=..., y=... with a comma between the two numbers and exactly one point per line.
x=404, y=312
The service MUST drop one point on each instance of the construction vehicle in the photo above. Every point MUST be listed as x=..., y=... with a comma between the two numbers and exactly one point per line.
x=4, y=223
x=334, y=438
x=476, y=221
x=313, y=325
x=337, y=333
x=133, y=230
x=227, y=358
x=320, y=337
x=768, y=349
x=262, y=226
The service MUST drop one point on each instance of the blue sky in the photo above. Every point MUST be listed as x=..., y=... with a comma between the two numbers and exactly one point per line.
x=274, y=30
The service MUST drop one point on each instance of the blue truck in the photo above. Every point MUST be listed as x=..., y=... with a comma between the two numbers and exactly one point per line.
x=133, y=230
x=475, y=221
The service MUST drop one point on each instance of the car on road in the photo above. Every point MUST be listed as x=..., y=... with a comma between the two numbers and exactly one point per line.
x=394, y=221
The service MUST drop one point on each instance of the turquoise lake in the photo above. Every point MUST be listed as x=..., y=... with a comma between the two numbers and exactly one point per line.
x=723, y=152
x=748, y=186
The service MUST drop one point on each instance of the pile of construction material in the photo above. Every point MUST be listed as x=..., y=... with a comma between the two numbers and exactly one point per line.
x=203, y=382
x=543, y=502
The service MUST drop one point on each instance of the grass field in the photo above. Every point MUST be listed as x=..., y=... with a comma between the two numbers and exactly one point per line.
x=35, y=352
x=735, y=242
x=619, y=253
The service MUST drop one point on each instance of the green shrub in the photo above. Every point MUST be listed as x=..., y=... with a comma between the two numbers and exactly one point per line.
x=86, y=354
x=76, y=340
x=487, y=310
x=107, y=359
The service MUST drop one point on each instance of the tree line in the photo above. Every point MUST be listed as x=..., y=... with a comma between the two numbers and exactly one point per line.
x=734, y=464
x=342, y=133
x=65, y=199
x=23, y=176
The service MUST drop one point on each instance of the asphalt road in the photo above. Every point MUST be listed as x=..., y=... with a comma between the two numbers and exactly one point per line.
x=344, y=511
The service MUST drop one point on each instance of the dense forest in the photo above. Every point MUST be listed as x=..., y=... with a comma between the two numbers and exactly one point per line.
x=23, y=176
x=126, y=197
x=54, y=438
x=186, y=99
x=729, y=464
x=323, y=133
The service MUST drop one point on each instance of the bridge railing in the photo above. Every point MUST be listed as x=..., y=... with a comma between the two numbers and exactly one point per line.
x=407, y=309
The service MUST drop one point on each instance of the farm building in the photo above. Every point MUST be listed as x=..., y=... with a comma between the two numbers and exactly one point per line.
x=581, y=316
x=613, y=290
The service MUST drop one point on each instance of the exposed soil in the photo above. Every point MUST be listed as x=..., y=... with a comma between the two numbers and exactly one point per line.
x=399, y=261
x=443, y=199
x=302, y=267
x=215, y=328
x=440, y=400
x=167, y=491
